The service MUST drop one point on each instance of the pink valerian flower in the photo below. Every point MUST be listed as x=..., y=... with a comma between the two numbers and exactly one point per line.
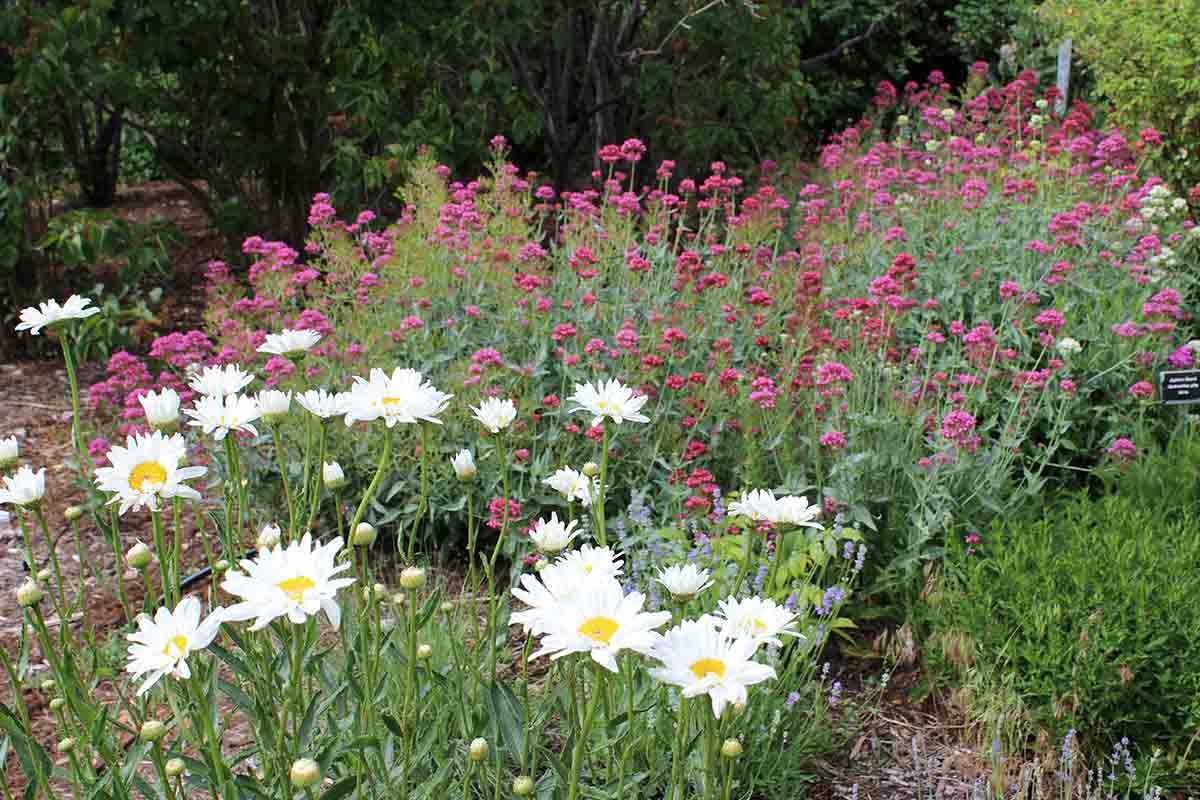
x=834, y=440
x=1142, y=389
x=98, y=449
x=278, y=368
x=1182, y=358
x=632, y=150
x=1122, y=450
x=833, y=372
x=1051, y=319
x=958, y=427
x=496, y=509
x=764, y=391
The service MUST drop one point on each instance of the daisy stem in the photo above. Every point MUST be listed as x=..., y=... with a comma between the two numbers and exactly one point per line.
x=120, y=562
x=232, y=494
x=711, y=768
x=58, y=579
x=581, y=742
x=677, y=791
x=491, y=574
x=73, y=380
x=629, y=666
x=374, y=485
x=164, y=564
x=318, y=469
x=287, y=492
x=466, y=784
x=83, y=577
x=424, y=503
x=728, y=790
x=601, y=536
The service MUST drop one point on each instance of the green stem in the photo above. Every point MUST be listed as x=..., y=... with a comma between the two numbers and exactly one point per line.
x=424, y=503
x=283, y=478
x=73, y=380
x=164, y=564
x=374, y=485
x=581, y=742
x=318, y=468
x=678, y=757
x=601, y=531
x=120, y=562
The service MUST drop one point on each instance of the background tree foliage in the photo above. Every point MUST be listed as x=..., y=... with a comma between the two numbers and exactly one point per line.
x=255, y=106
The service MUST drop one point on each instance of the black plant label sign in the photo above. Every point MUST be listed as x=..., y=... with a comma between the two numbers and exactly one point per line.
x=1179, y=387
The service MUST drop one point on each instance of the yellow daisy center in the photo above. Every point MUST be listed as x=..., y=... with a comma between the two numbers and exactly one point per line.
x=708, y=666
x=588, y=568
x=759, y=625
x=296, y=587
x=180, y=643
x=391, y=401
x=150, y=471
x=600, y=629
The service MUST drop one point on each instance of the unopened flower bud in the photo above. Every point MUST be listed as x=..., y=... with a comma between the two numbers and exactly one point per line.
x=522, y=786
x=364, y=535
x=412, y=578
x=174, y=767
x=29, y=594
x=332, y=475
x=48, y=685
x=398, y=599
x=57, y=703
x=221, y=566
x=139, y=556
x=902, y=120
x=379, y=589
x=152, y=730
x=305, y=773
x=591, y=469
x=464, y=466
x=447, y=607
x=479, y=749
x=73, y=513
x=424, y=651
x=269, y=536
x=44, y=575
x=731, y=748
x=66, y=745
x=540, y=565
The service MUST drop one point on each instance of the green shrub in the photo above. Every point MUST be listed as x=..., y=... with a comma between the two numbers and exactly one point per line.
x=1145, y=59
x=1089, y=617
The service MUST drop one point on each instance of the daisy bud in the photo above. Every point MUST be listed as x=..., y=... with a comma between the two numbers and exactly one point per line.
x=447, y=607
x=66, y=745
x=44, y=575
x=540, y=565
x=731, y=748
x=464, y=465
x=380, y=590
x=9, y=452
x=412, y=578
x=332, y=475
x=522, y=786
x=48, y=685
x=398, y=599
x=305, y=773
x=269, y=536
x=220, y=566
x=364, y=535
x=139, y=556
x=73, y=513
x=152, y=731
x=57, y=703
x=424, y=651
x=29, y=594
x=174, y=767
x=479, y=749
x=902, y=120
x=591, y=469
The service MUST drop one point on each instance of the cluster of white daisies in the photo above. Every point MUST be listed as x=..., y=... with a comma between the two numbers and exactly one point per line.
x=577, y=605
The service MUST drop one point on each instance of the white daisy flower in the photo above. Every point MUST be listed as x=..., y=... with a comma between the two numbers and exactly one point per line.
x=162, y=408
x=602, y=621
x=51, y=313
x=332, y=475
x=553, y=535
x=220, y=381
x=495, y=414
x=591, y=564
x=323, y=404
x=794, y=510
x=760, y=619
x=146, y=469
x=700, y=659
x=161, y=646
x=684, y=582
x=25, y=488
x=290, y=342
x=217, y=416
x=574, y=485
x=464, y=465
x=404, y=396
x=273, y=403
x=296, y=581
x=758, y=505
x=612, y=399
x=10, y=451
